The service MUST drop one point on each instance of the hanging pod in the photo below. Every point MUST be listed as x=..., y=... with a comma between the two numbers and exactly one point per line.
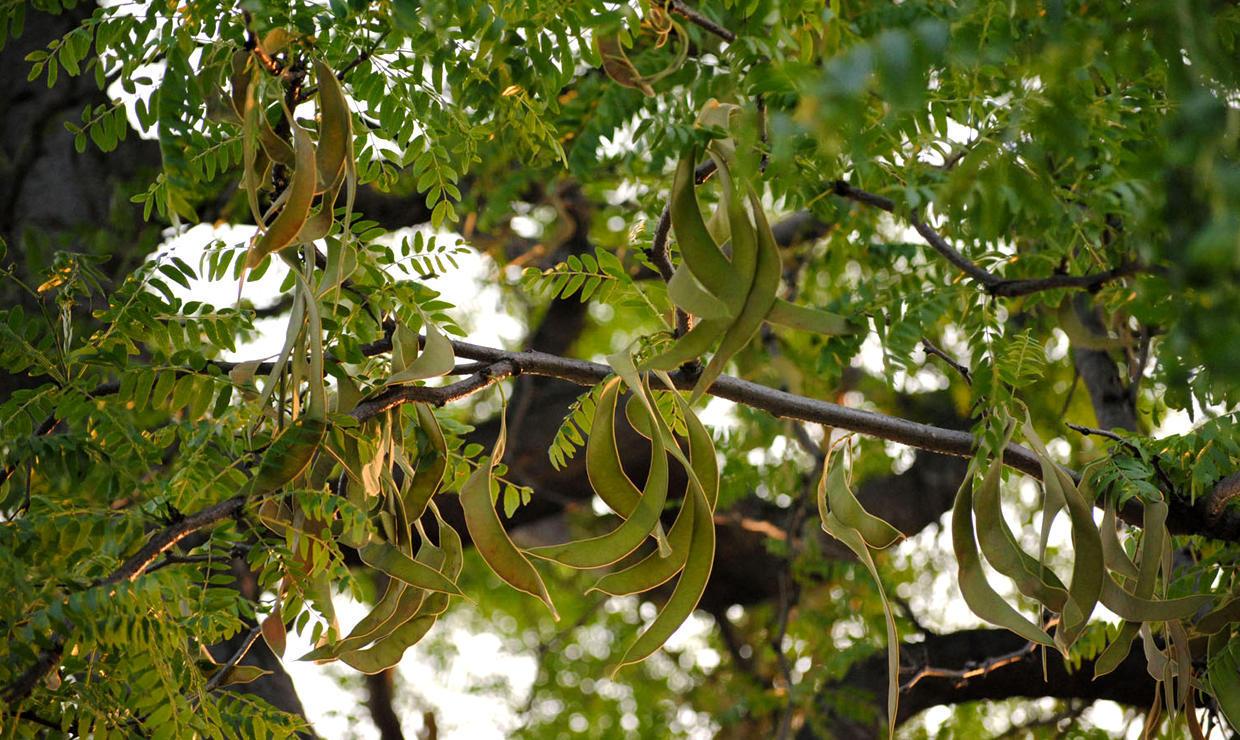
x=284, y=229
x=487, y=532
x=977, y=591
x=644, y=515
x=846, y=520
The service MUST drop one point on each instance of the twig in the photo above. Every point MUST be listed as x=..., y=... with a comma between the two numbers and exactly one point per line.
x=933, y=350
x=963, y=676
x=218, y=677
x=697, y=19
x=993, y=284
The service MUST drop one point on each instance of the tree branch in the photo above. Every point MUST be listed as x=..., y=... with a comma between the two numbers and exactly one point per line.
x=994, y=284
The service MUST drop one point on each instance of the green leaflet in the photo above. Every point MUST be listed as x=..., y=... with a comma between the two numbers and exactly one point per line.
x=758, y=303
x=437, y=358
x=609, y=548
x=1003, y=552
x=836, y=499
x=387, y=558
x=977, y=592
x=288, y=456
x=804, y=318
x=856, y=542
x=1223, y=674
x=488, y=534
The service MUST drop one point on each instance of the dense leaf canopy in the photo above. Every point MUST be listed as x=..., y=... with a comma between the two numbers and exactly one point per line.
x=794, y=281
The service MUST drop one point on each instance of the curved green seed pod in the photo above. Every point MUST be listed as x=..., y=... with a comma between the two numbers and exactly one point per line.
x=687, y=293
x=488, y=534
x=1220, y=617
x=1003, y=552
x=757, y=305
x=240, y=81
x=689, y=347
x=399, y=604
x=689, y=588
x=1138, y=609
x=978, y=593
x=1112, y=550
x=288, y=456
x=431, y=465
x=396, y=564
x=617, y=64
x=597, y=552
x=657, y=568
x=698, y=249
x=607, y=476
x=1088, y=571
x=283, y=230
x=1223, y=674
x=335, y=129
x=856, y=541
x=437, y=358
x=387, y=652
x=741, y=232
x=836, y=499
x=804, y=318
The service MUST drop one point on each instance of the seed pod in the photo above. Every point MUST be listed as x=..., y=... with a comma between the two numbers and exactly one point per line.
x=284, y=229
x=978, y=593
x=335, y=129
x=390, y=560
x=488, y=534
x=617, y=64
x=596, y=552
x=757, y=305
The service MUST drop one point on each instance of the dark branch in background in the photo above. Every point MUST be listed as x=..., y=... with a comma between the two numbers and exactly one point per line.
x=951, y=670
x=697, y=19
x=994, y=285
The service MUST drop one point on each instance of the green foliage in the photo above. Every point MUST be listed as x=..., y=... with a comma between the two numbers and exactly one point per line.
x=1036, y=140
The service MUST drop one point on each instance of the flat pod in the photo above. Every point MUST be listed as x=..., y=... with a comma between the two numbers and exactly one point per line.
x=836, y=499
x=431, y=465
x=387, y=558
x=659, y=567
x=335, y=129
x=978, y=593
x=689, y=588
x=1002, y=551
x=603, y=468
x=604, y=550
x=487, y=532
x=289, y=455
x=284, y=229
x=757, y=304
